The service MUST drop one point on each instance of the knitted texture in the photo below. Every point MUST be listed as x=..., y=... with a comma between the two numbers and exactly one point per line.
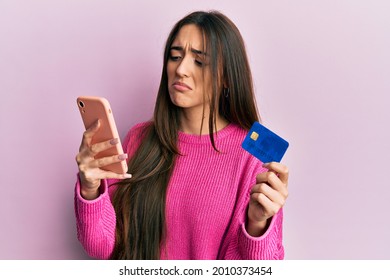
x=206, y=207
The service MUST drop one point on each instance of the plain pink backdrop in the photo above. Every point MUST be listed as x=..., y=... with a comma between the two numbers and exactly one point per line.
x=321, y=71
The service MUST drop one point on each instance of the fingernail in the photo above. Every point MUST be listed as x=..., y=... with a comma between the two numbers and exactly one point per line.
x=114, y=141
x=265, y=164
x=127, y=176
x=122, y=157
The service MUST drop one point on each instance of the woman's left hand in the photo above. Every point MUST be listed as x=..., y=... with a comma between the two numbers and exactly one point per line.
x=267, y=197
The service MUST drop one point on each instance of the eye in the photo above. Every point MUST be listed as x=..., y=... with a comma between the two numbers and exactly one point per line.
x=174, y=57
x=198, y=62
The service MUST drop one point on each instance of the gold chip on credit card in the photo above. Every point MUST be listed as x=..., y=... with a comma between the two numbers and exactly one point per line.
x=254, y=135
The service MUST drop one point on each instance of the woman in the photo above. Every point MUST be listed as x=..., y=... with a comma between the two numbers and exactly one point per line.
x=194, y=192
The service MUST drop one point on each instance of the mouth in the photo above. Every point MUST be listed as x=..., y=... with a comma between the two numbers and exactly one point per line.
x=181, y=86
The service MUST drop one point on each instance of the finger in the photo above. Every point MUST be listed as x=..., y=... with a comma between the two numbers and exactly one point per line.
x=272, y=180
x=113, y=175
x=280, y=169
x=89, y=133
x=102, y=146
x=272, y=194
x=101, y=162
x=267, y=177
x=94, y=175
x=269, y=207
x=88, y=153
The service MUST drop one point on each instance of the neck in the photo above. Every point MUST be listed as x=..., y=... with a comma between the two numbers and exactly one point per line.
x=191, y=122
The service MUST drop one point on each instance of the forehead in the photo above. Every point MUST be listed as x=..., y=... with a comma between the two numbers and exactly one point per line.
x=189, y=36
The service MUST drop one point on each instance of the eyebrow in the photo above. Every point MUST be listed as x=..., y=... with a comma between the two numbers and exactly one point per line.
x=178, y=48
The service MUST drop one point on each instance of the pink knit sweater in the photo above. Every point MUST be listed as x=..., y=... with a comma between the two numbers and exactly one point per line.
x=206, y=206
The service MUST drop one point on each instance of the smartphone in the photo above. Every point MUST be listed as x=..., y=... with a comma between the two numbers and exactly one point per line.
x=93, y=108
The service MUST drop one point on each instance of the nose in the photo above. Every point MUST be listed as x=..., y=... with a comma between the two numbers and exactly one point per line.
x=183, y=68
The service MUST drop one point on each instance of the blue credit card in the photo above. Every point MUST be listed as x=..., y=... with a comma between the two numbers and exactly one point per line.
x=264, y=144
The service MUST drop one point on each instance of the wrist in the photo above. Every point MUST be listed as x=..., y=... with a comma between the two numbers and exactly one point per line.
x=89, y=194
x=255, y=228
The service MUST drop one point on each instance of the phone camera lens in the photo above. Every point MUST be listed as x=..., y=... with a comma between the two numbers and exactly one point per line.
x=81, y=104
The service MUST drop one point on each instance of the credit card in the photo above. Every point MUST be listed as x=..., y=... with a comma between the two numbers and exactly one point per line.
x=264, y=144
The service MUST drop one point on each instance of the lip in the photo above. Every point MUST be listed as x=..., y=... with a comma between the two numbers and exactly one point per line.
x=181, y=86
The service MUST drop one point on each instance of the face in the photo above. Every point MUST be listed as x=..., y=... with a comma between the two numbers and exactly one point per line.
x=189, y=77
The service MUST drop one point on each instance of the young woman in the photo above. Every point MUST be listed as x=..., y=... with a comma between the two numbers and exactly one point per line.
x=193, y=192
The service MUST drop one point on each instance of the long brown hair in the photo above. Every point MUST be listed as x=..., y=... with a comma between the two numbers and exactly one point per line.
x=139, y=202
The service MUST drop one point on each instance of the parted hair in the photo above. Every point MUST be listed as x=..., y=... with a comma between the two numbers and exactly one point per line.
x=139, y=202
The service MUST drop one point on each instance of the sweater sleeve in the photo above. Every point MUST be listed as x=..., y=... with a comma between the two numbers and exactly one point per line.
x=96, y=219
x=238, y=243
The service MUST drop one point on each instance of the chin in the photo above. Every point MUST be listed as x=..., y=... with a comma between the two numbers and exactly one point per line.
x=180, y=105
x=176, y=100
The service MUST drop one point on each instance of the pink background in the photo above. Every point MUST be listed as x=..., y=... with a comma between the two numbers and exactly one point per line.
x=321, y=71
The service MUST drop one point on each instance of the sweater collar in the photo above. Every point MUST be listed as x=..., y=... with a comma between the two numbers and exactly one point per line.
x=205, y=138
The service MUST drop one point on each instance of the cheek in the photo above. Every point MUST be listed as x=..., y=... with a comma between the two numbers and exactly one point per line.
x=207, y=77
x=170, y=71
x=207, y=84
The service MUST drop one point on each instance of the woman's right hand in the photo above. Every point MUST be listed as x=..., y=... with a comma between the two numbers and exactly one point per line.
x=90, y=170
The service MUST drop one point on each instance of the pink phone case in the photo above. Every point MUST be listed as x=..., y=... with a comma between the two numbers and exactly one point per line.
x=93, y=108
